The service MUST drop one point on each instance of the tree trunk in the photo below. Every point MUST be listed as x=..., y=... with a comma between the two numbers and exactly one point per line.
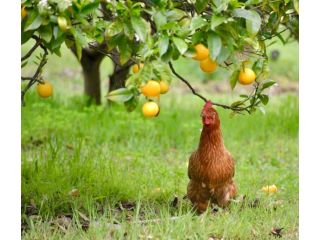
x=91, y=71
x=90, y=62
x=118, y=78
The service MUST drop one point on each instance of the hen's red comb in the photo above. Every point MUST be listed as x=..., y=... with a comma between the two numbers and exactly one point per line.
x=207, y=105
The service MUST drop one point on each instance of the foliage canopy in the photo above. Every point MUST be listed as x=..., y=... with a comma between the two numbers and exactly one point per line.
x=160, y=31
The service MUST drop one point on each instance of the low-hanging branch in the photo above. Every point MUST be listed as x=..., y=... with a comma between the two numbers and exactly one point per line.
x=36, y=45
x=237, y=109
x=36, y=77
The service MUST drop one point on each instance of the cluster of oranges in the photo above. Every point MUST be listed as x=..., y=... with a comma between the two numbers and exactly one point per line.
x=202, y=55
x=246, y=75
x=152, y=89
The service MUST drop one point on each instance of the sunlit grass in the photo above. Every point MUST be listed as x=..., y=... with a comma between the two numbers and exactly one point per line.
x=110, y=155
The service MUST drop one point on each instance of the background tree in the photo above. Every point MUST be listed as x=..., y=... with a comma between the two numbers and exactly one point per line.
x=156, y=33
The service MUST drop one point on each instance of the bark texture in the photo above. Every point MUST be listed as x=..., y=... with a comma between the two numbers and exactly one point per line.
x=90, y=63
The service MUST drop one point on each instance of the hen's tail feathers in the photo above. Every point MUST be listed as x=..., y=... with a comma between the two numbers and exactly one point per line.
x=223, y=194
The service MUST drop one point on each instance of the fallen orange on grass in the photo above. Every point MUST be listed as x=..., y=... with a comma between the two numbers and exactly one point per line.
x=270, y=189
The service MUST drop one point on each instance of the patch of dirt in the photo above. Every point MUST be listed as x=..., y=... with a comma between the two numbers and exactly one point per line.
x=126, y=205
x=276, y=232
x=175, y=202
x=33, y=143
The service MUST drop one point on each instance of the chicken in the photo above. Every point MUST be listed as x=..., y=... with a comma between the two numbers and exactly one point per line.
x=211, y=166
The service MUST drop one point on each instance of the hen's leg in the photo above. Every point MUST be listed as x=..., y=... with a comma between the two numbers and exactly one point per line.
x=223, y=194
x=199, y=196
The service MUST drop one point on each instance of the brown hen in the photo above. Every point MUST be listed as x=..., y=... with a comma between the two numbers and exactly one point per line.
x=211, y=166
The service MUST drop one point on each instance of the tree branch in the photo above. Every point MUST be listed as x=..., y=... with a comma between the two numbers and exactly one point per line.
x=35, y=78
x=36, y=45
x=186, y=82
x=233, y=108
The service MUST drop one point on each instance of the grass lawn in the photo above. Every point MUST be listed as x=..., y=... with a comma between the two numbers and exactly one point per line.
x=126, y=171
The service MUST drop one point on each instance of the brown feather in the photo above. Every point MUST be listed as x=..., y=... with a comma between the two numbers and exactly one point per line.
x=211, y=167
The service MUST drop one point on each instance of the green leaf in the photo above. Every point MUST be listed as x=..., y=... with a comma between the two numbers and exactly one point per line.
x=80, y=41
x=175, y=14
x=216, y=21
x=131, y=104
x=281, y=38
x=169, y=25
x=234, y=79
x=224, y=54
x=46, y=33
x=120, y=95
x=296, y=5
x=114, y=28
x=168, y=55
x=197, y=22
x=221, y=5
x=200, y=5
x=140, y=28
x=78, y=49
x=125, y=49
x=160, y=19
x=90, y=7
x=163, y=44
x=253, y=19
x=162, y=71
x=237, y=104
x=264, y=98
x=25, y=36
x=257, y=65
x=146, y=73
x=253, y=26
x=128, y=30
x=214, y=45
x=197, y=37
x=180, y=44
x=33, y=22
x=267, y=84
x=56, y=44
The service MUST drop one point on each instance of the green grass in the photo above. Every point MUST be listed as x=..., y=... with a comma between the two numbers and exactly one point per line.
x=110, y=156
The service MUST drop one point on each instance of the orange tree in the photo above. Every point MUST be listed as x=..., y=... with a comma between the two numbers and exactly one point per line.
x=149, y=35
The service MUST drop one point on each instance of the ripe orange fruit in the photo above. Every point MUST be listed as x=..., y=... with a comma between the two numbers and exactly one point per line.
x=63, y=24
x=208, y=65
x=150, y=109
x=23, y=12
x=164, y=87
x=201, y=52
x=45, y=89
x=137, y=67
x=270, y=189
x=273, y=188
x=246, y=76
x=151, y=89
